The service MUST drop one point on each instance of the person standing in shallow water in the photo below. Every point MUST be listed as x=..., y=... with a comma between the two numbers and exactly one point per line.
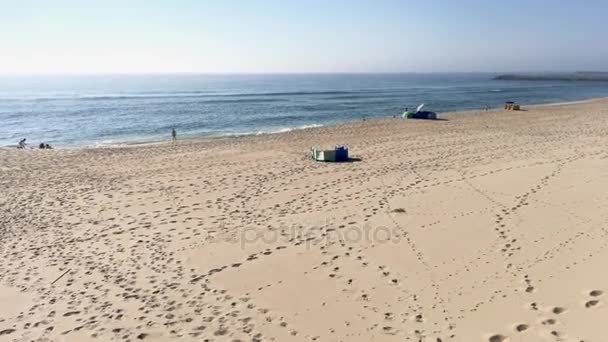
x=173, y=134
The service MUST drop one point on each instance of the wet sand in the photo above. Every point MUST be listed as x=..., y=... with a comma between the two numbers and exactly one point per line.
x=488, y=226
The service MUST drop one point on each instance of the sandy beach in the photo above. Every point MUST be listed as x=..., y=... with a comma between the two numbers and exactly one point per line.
x=486, y=226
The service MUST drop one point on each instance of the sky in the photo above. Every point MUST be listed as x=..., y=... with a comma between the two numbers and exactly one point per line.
x=289, y=36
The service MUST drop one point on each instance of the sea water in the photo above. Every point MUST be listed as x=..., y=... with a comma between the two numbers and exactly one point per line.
x=100, y=110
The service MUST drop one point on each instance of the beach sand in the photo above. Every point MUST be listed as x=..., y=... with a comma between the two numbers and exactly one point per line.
x=487, y=226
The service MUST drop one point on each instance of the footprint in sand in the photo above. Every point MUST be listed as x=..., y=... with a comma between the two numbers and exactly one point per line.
x=549, y=321
x=521, y=327
x=389, y=330
x=558, y=310
x=7, y=331
x=498, y=338
x=591, y=303
x=596, y=293
x=71, y=313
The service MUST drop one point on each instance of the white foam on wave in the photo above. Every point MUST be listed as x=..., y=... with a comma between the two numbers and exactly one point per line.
x=288, y=129
x=147, y=140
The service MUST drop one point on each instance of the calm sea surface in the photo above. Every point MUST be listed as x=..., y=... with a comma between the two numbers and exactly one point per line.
x=97, y=110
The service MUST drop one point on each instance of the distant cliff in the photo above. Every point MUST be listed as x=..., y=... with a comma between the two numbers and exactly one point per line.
x=573, y=76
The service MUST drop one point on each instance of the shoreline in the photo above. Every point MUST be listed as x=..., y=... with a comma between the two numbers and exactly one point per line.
x=198, y=138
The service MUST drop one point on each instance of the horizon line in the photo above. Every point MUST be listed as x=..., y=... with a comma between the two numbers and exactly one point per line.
x=262, y=73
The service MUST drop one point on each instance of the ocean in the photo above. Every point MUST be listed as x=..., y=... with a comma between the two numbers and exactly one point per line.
x=69, y=111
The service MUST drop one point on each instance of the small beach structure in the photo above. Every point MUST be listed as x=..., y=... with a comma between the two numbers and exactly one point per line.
x=420, y=114
x=338, y=154
x=510, y=105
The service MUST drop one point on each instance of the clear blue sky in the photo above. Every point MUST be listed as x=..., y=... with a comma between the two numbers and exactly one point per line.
x=137, y=36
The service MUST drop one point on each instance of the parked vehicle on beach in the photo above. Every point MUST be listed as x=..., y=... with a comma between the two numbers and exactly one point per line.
x=420, y=114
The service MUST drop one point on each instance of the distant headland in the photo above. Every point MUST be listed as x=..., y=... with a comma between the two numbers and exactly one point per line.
x=548, y=76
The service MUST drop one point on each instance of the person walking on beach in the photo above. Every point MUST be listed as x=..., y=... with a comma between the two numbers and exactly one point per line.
x=173, y=134
x=22, y=143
